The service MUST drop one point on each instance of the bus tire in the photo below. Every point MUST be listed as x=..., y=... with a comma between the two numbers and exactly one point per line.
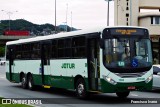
x=122, y=94
x=23, y=81
x=81, y=89
x=30, y=83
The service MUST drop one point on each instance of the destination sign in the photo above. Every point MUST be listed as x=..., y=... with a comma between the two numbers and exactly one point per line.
x=127, y=31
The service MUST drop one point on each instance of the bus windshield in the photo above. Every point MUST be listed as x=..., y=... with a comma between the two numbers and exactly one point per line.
x=127, y=53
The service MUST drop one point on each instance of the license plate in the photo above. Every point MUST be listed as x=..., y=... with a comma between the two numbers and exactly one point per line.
x=131, y=88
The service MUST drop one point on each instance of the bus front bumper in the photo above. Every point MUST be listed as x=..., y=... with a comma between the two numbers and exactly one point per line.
x=123, y=87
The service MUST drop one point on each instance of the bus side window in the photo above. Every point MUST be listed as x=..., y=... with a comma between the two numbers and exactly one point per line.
x=35, y=51
x=54, y=49
x=26, y=51
x=61, y=48
x=79, y=47
x=68, y=48
x=18, y=52
x=10, y=54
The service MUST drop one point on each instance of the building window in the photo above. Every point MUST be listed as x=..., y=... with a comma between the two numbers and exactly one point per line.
x=127, y=14
x=127, y=8
x=155, y=20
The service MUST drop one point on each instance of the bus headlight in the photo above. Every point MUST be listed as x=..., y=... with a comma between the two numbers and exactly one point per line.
x=110, y=80
x=149, y=79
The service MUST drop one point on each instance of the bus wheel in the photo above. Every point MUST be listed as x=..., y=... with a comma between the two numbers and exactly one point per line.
x=24, y=82
x=122, y=94
x=81, y=88
x=30, y=83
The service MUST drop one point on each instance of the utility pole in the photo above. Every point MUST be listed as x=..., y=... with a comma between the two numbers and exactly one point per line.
x=66, y=16
x=108, y=12
x=71, y=20
x=55, y=17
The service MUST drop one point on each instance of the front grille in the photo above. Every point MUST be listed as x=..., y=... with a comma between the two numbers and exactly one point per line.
x=130, y=75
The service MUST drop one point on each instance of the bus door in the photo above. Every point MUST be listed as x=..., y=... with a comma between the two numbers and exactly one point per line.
x=45, y=61
x=11, y=61
x=93, y=63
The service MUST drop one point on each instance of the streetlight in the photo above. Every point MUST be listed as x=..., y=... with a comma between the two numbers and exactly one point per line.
x=108, y=12
x=9, y=15
x=55, y=18
x=66, y=15
x=71, y=20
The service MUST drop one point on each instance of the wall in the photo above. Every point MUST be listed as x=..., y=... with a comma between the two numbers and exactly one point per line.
x=146, y=22
x=149, y=4
x=126, y=12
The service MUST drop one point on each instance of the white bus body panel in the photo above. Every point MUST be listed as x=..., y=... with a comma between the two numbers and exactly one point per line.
x=79, y=68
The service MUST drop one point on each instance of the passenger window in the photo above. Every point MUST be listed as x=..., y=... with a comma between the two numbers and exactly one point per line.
x=79, y=47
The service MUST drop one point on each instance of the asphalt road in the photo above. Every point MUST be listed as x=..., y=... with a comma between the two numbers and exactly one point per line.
x=67, y=98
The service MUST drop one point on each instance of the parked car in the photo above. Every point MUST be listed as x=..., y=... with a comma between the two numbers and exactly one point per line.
x=2, y=61
x=156, y=76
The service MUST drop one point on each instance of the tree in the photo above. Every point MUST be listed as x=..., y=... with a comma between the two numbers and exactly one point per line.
x=2, y=51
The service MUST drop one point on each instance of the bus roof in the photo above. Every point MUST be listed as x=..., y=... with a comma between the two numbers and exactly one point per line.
x=68, y=34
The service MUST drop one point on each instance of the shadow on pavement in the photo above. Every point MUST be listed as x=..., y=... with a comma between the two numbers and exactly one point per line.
x=69, y=97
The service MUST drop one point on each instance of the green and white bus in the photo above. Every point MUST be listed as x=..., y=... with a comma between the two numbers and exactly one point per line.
x=106, y=60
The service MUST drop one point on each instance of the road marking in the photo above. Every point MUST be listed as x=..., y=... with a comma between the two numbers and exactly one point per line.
x=2, y=77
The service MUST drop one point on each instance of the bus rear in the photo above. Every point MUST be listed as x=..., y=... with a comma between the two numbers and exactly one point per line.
x=126, y=60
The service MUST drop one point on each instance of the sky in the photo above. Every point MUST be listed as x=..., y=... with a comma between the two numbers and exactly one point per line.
x=85, y=13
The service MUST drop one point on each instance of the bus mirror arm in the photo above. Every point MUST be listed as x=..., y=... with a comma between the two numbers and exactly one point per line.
x=102, y=43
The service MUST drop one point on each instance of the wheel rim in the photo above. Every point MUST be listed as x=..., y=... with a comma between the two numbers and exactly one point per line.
x=30, y=84
x=80, y=89
x=23, y=81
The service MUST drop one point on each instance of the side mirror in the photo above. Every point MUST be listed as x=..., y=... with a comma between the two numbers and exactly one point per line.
x=102, y=44
x=158, y=73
